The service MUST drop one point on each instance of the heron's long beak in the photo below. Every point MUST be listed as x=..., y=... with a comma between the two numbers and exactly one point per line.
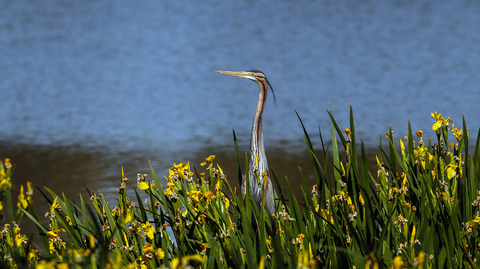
x=236, y=73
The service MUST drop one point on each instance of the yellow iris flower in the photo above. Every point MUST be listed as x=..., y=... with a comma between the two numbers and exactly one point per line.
x=149, y=230
x=439, y=121
x=52, y=240
x=22, y=202
x=195, y=196
x=454, y=170
x=144, y=185
x=160, y=253
x=208, y=160
x=348, y=132
x=422, y=154
x=147, y=248
x=458, y=133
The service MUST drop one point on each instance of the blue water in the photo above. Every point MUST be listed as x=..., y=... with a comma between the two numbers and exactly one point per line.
x=88, y=87
x=128, y=75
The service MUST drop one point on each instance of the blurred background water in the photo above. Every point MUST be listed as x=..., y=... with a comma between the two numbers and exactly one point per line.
x=87, y=87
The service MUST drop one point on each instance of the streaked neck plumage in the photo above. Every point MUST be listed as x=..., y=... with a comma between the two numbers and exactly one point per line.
x=256, y=142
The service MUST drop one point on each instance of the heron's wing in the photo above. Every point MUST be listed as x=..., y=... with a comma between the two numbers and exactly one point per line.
x=256, y=192
x=269, y=197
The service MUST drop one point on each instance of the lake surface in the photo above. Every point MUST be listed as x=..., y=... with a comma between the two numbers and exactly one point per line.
x=87, y=87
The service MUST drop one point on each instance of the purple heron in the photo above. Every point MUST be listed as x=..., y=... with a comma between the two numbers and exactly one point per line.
x=259, y=175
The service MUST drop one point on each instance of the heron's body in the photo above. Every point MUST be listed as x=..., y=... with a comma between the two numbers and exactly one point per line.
x=258, y=164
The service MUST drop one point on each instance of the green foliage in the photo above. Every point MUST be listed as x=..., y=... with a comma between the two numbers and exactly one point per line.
x=417, y=209
x=15, y=248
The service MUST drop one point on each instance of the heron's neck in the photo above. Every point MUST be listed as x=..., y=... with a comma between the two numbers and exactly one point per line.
x=256, y=139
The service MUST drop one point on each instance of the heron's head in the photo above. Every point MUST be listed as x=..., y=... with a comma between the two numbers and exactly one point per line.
x=255, y=75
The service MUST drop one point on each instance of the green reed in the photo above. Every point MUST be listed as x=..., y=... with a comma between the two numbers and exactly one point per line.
x=418, y=209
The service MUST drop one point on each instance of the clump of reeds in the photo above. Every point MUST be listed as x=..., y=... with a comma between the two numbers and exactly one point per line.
x=419, y=209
